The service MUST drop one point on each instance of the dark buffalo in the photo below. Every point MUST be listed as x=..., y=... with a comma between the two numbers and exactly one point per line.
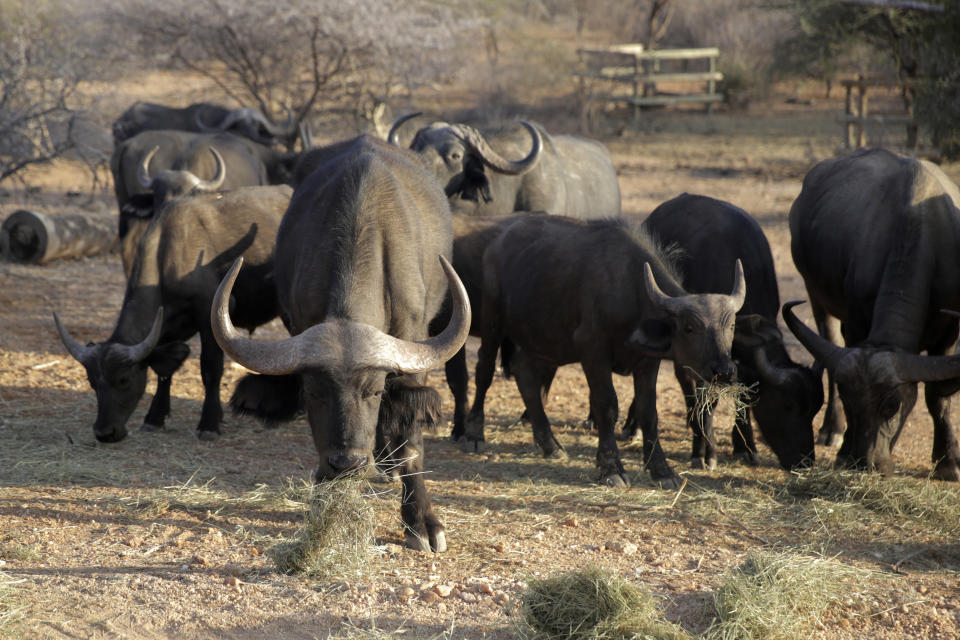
x=875, y=237
x=155, y=167
x=359, y=282
x=562, y=174
x=177, y=267
x=563, y=291
x=710, y=236
x=204, y=117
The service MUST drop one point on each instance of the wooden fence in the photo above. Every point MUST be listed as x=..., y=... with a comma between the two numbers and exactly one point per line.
x=628, y=74
x=857, y=114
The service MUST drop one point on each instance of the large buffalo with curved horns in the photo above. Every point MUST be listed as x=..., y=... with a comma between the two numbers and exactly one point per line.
x=204, y=117
x=359, y=283
x=876, y=238
x=563, y=291
x=155, y=167
x=562, y=174
x=176, y=269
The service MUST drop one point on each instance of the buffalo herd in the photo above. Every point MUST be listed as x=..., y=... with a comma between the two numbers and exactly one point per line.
x=380, y=260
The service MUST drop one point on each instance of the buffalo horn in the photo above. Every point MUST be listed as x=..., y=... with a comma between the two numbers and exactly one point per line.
x=143, y=171
x=78, y=351
x=776, y=376
x=392, y=137
x=341, y=343
x=739, y=293
x=824, y=351
x=217, y=181
x=137, y=352
x=284, y=130
x=494, y=160
x=912, y=367
x=655, y=293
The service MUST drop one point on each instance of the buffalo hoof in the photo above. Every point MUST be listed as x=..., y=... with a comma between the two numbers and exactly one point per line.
x=670, y=483
x=470, y=445
x=207, y=436
x=616, y=480
x=629, y=436
x=437, y=543
x=700, y=463
x=948, y=471
x=748, y=458
x=146, y=427
x=556, y=454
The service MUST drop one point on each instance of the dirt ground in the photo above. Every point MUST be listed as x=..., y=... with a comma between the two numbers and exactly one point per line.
x=163, y=536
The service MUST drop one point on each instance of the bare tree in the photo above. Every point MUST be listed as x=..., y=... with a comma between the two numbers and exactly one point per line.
x=289, y=58
x=38, y=79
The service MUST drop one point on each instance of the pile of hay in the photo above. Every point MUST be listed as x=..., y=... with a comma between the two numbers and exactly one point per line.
x=592, y=604
x=777, y=596
x=336, y=541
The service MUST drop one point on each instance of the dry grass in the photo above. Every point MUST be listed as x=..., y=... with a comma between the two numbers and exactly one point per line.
x=708, y=396
x=777, y=596
x=11, y=611
x=336, y=540
x=592, y=604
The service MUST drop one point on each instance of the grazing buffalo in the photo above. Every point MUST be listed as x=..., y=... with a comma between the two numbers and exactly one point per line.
x=564, y=175
x=176, y=269
x=564, y=290
x=710, y=236
x=155, y=167
x=204, y=117
x=876, y=238
x=359, y=283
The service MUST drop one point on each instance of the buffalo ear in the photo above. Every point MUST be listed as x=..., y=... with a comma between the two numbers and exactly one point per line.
x=654, y=337
x=138, y=207
x=165, y=359
x=475, y=183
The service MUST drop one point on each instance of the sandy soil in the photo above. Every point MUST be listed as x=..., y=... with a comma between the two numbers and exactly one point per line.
x=162, y=535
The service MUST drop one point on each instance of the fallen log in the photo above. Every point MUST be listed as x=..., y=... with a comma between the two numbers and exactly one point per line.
x=34, y=237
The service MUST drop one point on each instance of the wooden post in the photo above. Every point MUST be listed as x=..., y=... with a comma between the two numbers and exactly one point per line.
x=848, y=111
x=34, y=237
x=711, y=83
x=637, y=66
x=862, y=114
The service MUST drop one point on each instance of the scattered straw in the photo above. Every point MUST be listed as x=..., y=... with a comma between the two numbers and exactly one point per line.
x=923, y=501
x=336, y=541
x=777, y=596
x=592, y=604
x=11, y=611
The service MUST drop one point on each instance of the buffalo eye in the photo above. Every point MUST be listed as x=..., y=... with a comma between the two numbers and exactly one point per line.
x=370, y=395
x=687, y=327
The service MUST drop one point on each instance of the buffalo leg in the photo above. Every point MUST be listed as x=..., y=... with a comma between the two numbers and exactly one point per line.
x=643, y=407
x=603, y=406
x=211, y=373
x=159, y=406
x=404, y=438
x=832, y=428
x=744, y=445
x=529, y=377
x=700, y=419
x=946, y=452
x=490, y=340
x=456, y=370
x=645, y=417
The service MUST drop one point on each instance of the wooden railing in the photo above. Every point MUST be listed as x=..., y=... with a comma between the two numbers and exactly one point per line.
x=626, y=73
x=857, y=114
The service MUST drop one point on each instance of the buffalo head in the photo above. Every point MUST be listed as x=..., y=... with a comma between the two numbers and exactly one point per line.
x=878, y=388
x=697, y=332
x=459, y=156
x=170, y=184
x=343, y=366
x=252, y=124
x=788, y=395
x=118, y=373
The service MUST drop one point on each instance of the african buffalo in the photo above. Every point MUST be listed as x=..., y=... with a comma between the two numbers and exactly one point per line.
x=709, y=236
x=562, y=174
x=178, y=264
x=876, y=238
x=203, y=117
x=359, y=282
x=154, y=167
x=565, y=290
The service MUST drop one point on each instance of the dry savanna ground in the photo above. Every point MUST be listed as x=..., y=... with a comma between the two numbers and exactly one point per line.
x=164, y=536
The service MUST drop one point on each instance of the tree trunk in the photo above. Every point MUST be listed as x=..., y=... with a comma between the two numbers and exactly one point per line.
x=37, y=238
